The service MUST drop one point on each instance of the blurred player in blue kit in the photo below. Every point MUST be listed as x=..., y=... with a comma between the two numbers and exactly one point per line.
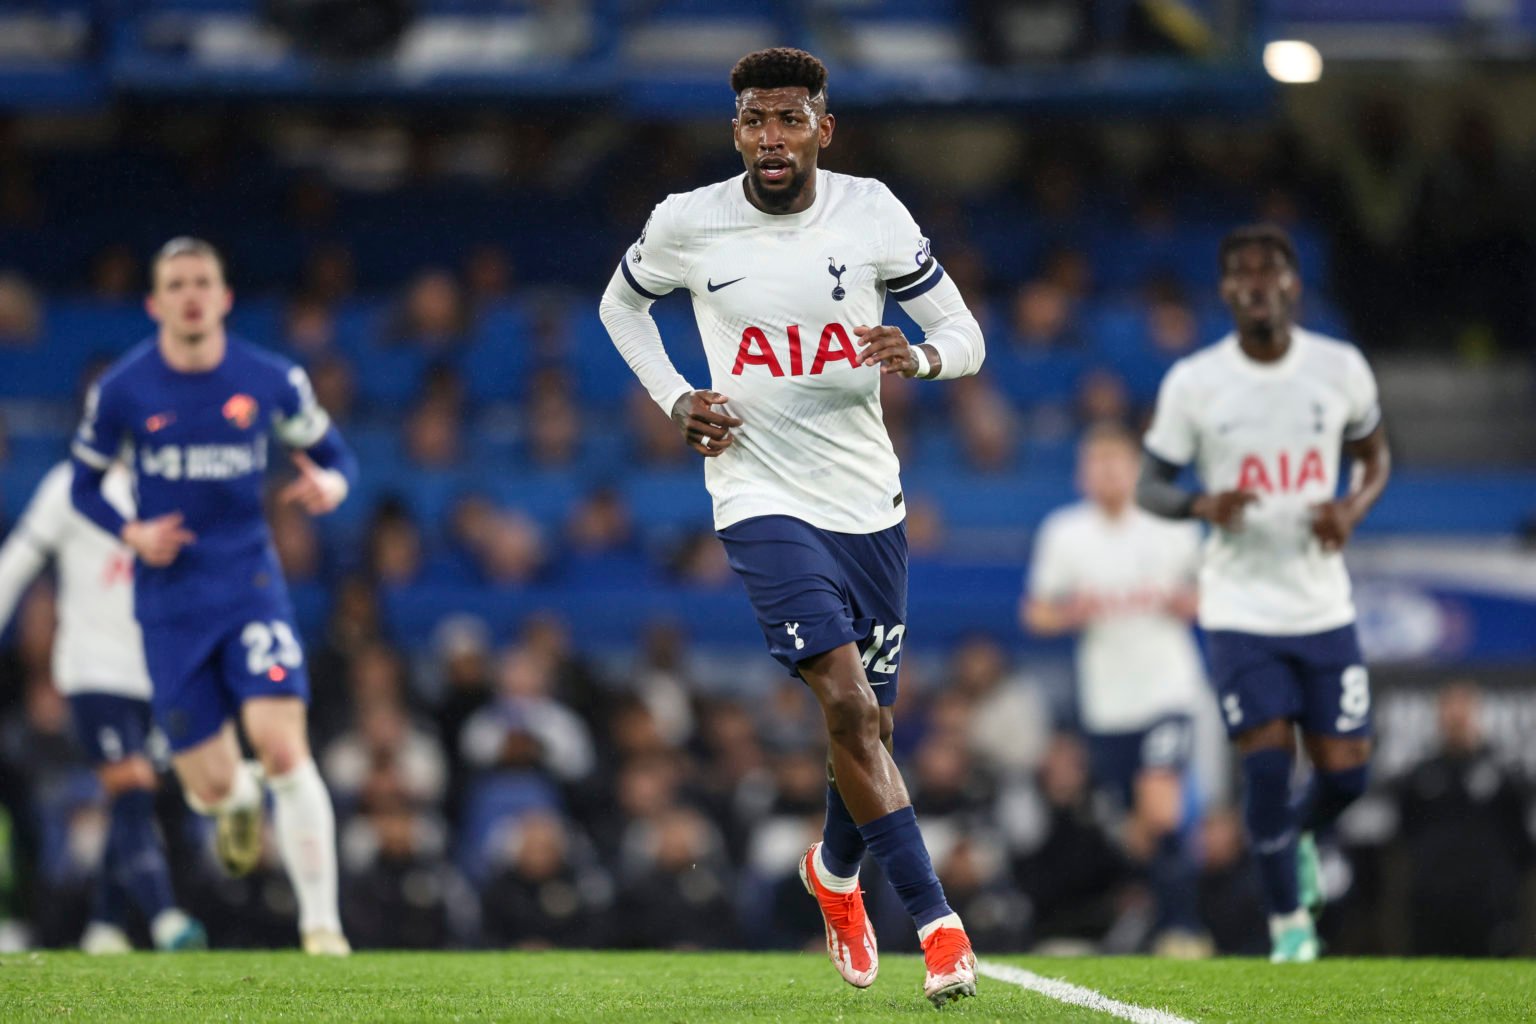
x=191, y=413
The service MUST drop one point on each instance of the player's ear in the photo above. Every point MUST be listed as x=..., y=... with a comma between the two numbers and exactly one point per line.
x=736, y=133
x=229, y=299
x=828, y=123
x=1293, y=286
x=149, y=307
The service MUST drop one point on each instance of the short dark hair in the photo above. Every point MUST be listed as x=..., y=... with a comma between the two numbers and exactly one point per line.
x=1271, y=235
x=184, y=245
x=780, y=67
x=1108, y=432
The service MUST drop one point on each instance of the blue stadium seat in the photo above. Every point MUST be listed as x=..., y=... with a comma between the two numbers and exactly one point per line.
x=493, y=803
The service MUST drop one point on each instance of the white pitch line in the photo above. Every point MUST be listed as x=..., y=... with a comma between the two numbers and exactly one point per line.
x=1066, y=992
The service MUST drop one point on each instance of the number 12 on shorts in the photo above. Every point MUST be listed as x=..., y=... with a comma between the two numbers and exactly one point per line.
x=879, y=638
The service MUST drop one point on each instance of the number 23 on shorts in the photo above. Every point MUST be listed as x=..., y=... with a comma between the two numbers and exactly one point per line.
x=270, y=647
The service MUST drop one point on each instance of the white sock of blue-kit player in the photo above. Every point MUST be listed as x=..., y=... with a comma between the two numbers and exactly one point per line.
x=306, y=837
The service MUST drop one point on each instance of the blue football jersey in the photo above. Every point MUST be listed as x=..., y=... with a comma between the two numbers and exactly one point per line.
x=200, y=444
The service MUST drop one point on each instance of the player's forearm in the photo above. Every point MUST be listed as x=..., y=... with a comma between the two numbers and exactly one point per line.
x=627, y=317
x=1158, y=491
x=332, y=453
x=85, y=494
x=1048, y=618
x=20, y=562
x=949, y=330
x=1373, y=460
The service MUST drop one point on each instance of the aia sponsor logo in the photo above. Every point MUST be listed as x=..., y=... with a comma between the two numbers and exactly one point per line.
x=1284, y=475
x=117, y=570
x=241, y=410
x=834, y=346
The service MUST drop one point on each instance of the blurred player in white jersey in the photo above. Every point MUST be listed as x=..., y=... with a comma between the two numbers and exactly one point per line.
x=98, y=664
x=789, y=267
x=1124, y=581
x=1264, y=416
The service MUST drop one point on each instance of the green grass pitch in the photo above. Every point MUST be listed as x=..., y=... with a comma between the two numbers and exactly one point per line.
x=681, y=988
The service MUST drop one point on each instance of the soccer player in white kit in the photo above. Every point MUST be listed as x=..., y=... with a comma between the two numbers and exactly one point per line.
x=789, y=267
x=98, y=665
x=1123, y=580
x=1264, y=415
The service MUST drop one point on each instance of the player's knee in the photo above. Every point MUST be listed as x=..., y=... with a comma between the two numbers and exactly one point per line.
x=129, y=774
x=852, y=715
x=280, y=756
x=1279, y=734
x=1159, y=818
x=208, y=791
x=1347, y=786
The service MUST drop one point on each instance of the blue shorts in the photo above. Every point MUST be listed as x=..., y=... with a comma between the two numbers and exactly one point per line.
x=204, y=671
x=815, y=590
x=110, y=727
x=1318, y=681
x=1118, y=757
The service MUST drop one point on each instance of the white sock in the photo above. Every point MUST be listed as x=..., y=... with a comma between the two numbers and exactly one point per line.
x=947, y=921
x=246, y=792
x=306, y=836
x=167, y=925
x=1297, y=918
x=824, y=875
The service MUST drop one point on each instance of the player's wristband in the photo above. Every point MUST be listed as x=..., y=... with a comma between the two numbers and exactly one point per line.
x=334, y=483
x=920, y=357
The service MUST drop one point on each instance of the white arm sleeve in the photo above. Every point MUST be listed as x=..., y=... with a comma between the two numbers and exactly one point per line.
x=1173, y=435
x=35, y=539
x=948, y=326
x=914, y=278
x=1364, y=405
x=1050, y=566
x=627, y=316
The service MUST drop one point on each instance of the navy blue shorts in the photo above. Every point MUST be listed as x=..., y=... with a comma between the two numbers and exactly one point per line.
x=1118, y=757
x=110, y=727
x=203, y=671
x=1318, y=681
x=815, y=590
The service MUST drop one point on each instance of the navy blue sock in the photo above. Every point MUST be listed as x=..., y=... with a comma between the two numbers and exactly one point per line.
x=897, y=846
x=109, y=904
x=135, y=856
x=1175, y=884
x=842, y=847
x=1327, y=795
x=1272, y=826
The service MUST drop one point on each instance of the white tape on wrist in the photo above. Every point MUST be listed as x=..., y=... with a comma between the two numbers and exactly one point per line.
x=335, y=485
x=920, y=357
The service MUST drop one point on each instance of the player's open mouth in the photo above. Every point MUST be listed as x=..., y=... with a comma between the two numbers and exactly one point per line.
x=773, y=169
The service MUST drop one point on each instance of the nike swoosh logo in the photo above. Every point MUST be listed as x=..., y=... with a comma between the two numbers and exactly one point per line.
x=723, y=284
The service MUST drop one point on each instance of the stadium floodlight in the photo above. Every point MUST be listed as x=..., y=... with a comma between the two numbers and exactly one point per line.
x=1293, y=61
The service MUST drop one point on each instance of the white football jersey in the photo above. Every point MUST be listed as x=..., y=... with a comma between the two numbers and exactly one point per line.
x=1136, y=662
x=1276, y=430
x=97, y=647
x=777, y=298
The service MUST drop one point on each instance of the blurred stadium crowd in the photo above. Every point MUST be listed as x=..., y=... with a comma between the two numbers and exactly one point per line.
x=510, y=768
